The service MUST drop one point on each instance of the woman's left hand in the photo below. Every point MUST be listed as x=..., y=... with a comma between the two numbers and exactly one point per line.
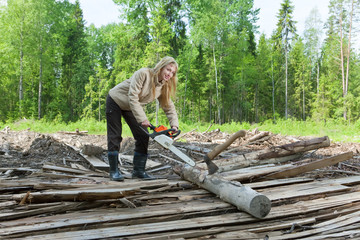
x=175, y=129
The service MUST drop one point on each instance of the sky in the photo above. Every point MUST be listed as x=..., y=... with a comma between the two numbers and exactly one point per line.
x=102, y=12
x=269, y=10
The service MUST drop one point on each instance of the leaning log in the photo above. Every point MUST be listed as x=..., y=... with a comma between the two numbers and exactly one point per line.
x=241, y=196
x=294, y=171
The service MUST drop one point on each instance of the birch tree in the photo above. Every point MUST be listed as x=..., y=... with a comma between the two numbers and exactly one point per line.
x=285, y=32
x=343, y=13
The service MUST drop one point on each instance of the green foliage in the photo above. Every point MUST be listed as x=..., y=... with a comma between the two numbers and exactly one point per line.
x=56, y=69
x=336, y=130
x=92, y=126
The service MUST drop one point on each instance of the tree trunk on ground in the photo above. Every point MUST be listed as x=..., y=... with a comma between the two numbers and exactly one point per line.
x=243, y=197
x=292, y=148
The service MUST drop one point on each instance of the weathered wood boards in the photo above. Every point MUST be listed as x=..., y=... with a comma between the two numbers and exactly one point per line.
x=133, y=222
x=86, y=194
x=164, y=209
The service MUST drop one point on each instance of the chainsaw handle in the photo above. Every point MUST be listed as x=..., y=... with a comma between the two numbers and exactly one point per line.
x=165, y=132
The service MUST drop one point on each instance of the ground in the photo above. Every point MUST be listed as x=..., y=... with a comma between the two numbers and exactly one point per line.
x=27, y=149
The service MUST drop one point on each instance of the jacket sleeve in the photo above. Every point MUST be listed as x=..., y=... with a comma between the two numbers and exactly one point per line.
x=171, y=114
x=136, y=85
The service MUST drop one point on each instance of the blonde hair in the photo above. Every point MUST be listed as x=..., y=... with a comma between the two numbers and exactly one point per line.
x=169, y=89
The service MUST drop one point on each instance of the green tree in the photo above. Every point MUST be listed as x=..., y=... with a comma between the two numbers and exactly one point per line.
x=75, y=66
x=312, y=37
x=264, y=90
x=343, y=13
x=302, y=81
x=285, y=32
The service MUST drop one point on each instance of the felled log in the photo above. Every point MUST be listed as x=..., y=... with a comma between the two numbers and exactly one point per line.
x=242, y=161
x=257, y=137
x=296, y=147
x=241, y=196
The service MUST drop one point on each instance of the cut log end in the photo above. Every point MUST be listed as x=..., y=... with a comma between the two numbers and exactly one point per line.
x=260, y=206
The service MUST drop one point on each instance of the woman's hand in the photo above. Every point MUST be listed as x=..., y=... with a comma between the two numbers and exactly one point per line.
x=146, y=124
x=175, y=129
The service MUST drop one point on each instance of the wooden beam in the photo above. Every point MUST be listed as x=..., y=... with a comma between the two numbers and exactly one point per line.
x=294, y=171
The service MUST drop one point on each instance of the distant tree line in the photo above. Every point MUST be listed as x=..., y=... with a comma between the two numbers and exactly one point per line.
x=55, y=68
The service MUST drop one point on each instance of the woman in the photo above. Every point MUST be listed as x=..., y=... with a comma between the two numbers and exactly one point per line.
x=127, y=100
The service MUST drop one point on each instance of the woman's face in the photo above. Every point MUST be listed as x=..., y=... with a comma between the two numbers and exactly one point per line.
x=167, y=72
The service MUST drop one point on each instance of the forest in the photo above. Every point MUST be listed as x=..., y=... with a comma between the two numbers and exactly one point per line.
x=53, y=67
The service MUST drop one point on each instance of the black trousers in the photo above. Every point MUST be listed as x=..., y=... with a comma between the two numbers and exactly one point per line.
x=114, y=128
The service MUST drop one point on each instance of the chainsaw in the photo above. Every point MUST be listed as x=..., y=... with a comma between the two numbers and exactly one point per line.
x=164, y=137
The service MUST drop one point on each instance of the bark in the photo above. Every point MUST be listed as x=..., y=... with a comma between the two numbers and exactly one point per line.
x=243, y=197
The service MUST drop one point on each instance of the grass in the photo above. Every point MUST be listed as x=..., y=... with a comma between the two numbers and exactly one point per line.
x=338, y=132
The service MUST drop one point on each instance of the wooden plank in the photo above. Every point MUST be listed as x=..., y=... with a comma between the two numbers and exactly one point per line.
x=150, y=164
x=7, y=204
x=278, y=182
x=64, y=169
x=302, y=189
x=258, y=227
x=92, y=160
x=267, y=227
x=315, y=205
x=253, y=172
x=111, y=216
x=96, y=162
x=89, y=194
x=324, y=226
x=294, y=171
x=354, y=234
x=63, y=207
x=344, y=181
x=200, y=222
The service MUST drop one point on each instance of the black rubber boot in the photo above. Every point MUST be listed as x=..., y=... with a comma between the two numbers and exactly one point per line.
x=115, y=174
x=139, y=167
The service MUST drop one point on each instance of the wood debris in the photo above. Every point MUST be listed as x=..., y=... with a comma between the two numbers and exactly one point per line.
x=311, y=193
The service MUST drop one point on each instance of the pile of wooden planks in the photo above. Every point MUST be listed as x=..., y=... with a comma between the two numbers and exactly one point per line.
x=69, y=203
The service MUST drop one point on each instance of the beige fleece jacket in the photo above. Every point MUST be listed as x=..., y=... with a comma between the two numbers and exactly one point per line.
x=134, y=93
